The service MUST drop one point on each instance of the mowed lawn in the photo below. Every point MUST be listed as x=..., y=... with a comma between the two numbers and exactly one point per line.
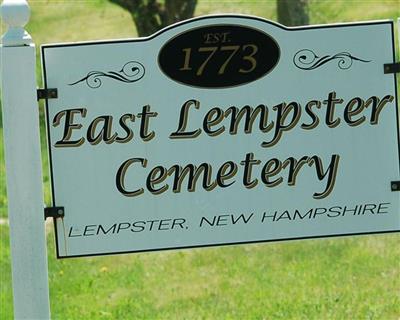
x=347, y=278
x=341, y=278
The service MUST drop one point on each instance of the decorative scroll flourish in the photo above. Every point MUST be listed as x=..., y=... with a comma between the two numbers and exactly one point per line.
x=306, y=59
x=132, y=71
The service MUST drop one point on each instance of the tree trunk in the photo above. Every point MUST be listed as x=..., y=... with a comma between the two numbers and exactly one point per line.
x=293, y=12
x=152, y=15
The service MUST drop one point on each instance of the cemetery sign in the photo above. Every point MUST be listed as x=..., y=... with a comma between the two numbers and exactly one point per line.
x=223, y=130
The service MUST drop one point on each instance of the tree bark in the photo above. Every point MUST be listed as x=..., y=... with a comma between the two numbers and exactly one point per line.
x=152, y=15
x=293, y=12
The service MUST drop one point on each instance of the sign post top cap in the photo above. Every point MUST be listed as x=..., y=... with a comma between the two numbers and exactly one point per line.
x=15, y=13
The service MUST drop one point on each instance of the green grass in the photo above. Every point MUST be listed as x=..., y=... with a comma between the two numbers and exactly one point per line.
x=347, y=278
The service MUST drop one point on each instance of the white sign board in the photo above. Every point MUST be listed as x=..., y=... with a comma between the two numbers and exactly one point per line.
x=223, y=130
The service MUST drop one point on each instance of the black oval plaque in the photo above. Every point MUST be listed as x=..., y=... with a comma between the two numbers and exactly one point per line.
x=219, y=56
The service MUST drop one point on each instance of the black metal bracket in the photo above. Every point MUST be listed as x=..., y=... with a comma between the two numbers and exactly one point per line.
x=395, y=185
x=47, y=94
x=54, y=212
x=391, y=68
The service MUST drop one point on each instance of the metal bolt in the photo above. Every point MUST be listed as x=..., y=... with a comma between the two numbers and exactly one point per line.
x=60, y=212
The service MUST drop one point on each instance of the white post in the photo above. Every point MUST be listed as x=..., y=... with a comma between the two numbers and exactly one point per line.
x=23, y=165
